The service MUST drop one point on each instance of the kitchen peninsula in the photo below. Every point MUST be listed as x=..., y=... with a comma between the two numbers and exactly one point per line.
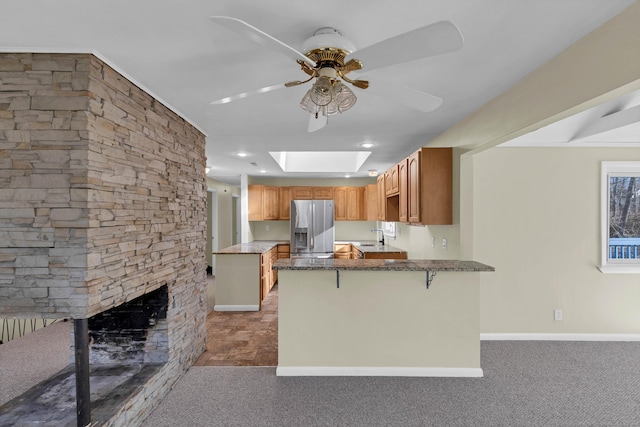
x=244, y=274
x=378, y=317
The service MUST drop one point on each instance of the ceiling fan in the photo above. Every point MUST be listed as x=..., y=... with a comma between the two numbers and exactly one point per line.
x=328, y=57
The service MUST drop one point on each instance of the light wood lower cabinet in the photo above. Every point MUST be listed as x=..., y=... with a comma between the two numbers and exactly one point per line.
x=284, y=251
x=356, y=253
x=385, y=255
x=342, y=251
x=265, y=275
x=349, y=251
x=268, y=277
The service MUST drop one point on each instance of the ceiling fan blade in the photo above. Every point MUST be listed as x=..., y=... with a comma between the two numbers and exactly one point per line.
x=228, y=99
x=435, y=39
x=258, y=36
x=317, y=123
x=410, y=97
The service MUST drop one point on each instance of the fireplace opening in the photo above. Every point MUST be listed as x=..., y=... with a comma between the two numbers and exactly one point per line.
x=132, y=333
x=128, y=345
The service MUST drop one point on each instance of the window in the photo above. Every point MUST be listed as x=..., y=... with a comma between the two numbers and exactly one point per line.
x=620, y=216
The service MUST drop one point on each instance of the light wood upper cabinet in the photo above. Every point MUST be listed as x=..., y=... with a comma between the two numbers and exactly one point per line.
x=285, y=203
x=302, y=193
x=355, y=204
x=392, y=185
x=340, y=203
x=263, y=202
x=430, y=186
x=382, y=198
x=349, y=203
x=312, y=193
x=270, y=202
x=414, y=187
x=255, y=203
x=322, y=193
x=274, y=203
x=402, y=191
x=371, y=202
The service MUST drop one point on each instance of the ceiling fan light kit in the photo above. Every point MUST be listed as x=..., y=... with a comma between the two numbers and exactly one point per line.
x=328, y=95
x=323, y=58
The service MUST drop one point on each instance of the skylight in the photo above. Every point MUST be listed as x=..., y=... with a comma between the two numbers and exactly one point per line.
x=320, y=161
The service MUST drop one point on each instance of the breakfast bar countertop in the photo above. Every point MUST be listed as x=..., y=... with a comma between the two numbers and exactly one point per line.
x=381, y=265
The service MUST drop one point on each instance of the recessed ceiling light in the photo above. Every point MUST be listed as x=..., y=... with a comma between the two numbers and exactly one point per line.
x=242, y=154
x=367, y=144
x=373, y=172
x=263, y=171
x=347, y=176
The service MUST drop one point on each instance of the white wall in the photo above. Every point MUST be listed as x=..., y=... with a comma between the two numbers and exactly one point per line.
x=537, y=221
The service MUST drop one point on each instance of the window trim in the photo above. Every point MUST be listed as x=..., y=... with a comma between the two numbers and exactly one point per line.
x=608, y=169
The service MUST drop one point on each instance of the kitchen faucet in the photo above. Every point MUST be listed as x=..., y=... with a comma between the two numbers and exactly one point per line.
x=373, y=230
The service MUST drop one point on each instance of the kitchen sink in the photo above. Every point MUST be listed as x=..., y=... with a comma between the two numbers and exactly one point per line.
x=368, y=244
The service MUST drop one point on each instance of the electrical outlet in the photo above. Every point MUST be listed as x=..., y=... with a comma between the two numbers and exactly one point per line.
x=433, y=242
x=266, y=227
x=557, y=314
x=444, y=243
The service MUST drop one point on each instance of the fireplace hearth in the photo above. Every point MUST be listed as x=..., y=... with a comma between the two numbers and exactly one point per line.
x=128, y=344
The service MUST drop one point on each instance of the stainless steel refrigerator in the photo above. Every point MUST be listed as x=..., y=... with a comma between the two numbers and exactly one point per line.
x=312, y=229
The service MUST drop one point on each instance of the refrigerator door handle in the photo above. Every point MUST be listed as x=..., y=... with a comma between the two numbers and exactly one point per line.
x=312, y=209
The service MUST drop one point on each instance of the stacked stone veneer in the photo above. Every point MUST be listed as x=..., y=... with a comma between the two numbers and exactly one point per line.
x=102, y=199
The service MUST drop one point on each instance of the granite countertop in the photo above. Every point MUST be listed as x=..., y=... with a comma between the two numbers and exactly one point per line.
x=255, y=247
x=381, y=265
x=370, y=246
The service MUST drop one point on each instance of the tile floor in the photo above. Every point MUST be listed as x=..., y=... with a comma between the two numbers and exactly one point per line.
x=243, y=338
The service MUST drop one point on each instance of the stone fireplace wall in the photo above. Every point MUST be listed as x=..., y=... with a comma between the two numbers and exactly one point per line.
x=103, y=199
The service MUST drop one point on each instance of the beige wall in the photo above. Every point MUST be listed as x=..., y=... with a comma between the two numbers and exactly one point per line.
x=224, y=232
x=357, y=325
x=537, y=215
x=238, y=282
x=533, y=214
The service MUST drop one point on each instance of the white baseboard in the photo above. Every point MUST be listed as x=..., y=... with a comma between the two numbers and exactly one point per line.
x=559, y=337
x=361, y=371
x=236, y=307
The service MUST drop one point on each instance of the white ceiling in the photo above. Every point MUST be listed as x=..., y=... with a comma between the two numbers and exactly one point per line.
x=174, y=51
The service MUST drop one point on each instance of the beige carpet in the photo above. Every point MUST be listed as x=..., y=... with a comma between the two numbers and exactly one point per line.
x=525, y=384
x=26, y=361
